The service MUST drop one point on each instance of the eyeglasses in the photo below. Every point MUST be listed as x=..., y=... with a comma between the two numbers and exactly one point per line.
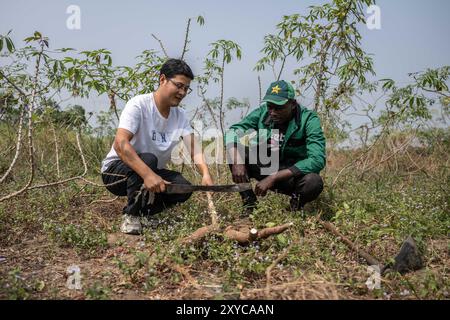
x=180, y=86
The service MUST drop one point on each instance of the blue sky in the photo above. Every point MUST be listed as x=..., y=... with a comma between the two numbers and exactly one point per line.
x=414, y=34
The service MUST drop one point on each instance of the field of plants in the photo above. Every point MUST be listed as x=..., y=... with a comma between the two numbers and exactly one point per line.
x=59, y=226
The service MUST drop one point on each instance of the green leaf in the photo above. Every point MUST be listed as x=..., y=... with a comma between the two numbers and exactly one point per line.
x=1, y=44
x=346, y=206
x=388, y=83
x=281, y=238
x=9, y=44
x=40, y=286
x=411, y=102
x=61, y=66
x=70, y=72
x=238, y=54
x=200, y=20
x=270, y=224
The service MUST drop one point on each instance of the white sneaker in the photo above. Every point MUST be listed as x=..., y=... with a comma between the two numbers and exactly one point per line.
x=131, y=224
x=150, y=222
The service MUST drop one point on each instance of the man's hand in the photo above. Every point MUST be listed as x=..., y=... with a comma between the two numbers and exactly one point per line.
x=239, y=173
x=155, y=183
x=264, y=185
x=207, y=180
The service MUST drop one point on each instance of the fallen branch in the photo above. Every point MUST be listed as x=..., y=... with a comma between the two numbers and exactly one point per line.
x=104, y=200
x=371, y=260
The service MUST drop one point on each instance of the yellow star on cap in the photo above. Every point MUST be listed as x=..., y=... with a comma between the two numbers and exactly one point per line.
x=276, y=89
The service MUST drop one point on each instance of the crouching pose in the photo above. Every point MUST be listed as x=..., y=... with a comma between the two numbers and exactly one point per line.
x=149, y=128
x=294, y=133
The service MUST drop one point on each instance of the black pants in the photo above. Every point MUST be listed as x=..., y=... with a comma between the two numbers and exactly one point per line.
x=302, y=189
x=137, y=205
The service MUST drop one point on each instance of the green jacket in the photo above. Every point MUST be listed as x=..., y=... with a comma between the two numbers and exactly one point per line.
x=303, y=147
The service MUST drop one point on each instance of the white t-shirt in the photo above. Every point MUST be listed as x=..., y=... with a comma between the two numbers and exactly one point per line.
x=152, y=132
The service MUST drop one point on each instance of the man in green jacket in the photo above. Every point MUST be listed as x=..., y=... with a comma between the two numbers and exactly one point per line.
x=287, y=134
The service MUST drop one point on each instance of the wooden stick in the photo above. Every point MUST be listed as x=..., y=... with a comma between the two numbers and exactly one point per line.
x=370, y=260
x=212, y=210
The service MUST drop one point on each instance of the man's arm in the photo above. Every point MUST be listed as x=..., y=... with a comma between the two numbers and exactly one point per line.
x=265, y=184
x=198, y=157
x=128, y=155
x=315, y=146
x=250, y=122
x=238, y=170
x=315, y=149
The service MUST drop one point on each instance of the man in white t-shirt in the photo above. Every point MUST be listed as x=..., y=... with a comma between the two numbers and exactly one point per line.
x=149, y=128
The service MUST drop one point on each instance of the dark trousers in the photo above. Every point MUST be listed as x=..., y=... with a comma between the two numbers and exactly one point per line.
x=302, y=189
x=138, y=201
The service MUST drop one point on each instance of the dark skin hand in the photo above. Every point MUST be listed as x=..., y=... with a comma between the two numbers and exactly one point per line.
x=268, y=182
x=279, y=115
x=238, y=170
x=239, y=173
x=264, y=185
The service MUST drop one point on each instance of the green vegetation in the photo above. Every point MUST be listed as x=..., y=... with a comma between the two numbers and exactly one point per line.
x=54, y=212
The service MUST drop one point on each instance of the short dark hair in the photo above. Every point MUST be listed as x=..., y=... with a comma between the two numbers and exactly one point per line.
x=173, y=67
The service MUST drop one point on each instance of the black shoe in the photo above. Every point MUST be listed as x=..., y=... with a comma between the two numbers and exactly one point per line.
x=295, y=204
x=249, y=202
x=248, y=209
